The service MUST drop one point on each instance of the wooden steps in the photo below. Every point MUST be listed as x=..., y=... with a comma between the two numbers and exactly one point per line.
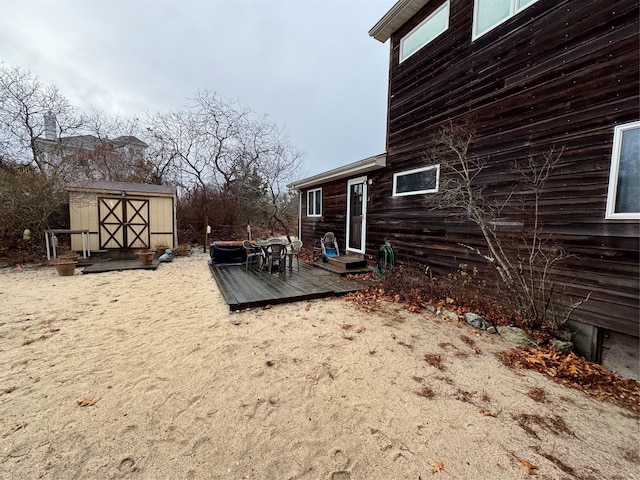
x=345, y=264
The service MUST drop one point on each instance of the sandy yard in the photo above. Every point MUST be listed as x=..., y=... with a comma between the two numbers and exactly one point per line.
x=179, y=387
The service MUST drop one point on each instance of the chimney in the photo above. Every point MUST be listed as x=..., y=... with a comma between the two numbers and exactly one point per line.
x=50, y=126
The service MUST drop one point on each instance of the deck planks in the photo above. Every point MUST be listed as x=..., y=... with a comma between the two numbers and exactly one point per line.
x=119, y=265
x=246, y=289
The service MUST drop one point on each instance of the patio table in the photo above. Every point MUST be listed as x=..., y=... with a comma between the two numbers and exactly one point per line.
x=270, y=242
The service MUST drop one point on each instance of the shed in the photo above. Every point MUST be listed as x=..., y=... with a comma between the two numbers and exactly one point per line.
x=122, y=216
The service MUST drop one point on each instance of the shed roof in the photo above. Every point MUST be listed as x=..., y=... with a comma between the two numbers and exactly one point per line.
x=119, y=187
x=367, y=165
x=402, y=11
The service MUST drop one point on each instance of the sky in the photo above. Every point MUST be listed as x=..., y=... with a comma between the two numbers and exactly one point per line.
x=310, y=65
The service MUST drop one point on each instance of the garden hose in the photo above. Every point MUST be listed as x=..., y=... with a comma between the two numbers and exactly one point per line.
x=386, y=258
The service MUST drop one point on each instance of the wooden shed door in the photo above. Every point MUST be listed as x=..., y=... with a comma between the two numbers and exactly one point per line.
x=123, y=223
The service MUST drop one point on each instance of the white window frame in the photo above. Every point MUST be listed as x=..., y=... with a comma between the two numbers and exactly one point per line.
x=445, y=4
x=614, y=172
x=416, y=170
x=311, y=212
x=513, y=10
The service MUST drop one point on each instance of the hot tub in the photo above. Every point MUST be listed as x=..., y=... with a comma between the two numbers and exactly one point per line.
x=227, y=253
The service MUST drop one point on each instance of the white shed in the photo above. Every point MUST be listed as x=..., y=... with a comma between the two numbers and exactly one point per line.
x=122, y=215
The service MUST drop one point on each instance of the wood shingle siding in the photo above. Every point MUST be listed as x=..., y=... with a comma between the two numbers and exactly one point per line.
x=558, y=75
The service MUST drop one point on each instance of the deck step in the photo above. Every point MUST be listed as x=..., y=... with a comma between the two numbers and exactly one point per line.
x=346, y=263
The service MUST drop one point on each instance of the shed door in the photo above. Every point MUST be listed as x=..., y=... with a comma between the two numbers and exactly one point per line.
x=356, y=214
x=123, y=223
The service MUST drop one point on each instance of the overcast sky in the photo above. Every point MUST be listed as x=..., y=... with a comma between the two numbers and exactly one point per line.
x=309, y=64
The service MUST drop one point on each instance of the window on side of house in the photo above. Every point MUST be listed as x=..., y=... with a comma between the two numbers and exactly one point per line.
x=488, y=14
x=314, y=202
x=430, y=28
x=623, y=199
x=416, y=182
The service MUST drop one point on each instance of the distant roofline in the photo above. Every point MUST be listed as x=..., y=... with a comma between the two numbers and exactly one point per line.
x=125, y=140
x=399, y=14
x=362, y=166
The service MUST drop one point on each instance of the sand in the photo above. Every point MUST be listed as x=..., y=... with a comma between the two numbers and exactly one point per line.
x=311, y=390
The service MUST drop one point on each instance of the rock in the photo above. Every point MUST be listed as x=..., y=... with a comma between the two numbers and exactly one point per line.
x=449, y=314
x=476, y=321
x=516, y=335
x=565, y=335
x=431, y=308
x=492, y=329
x=561, y=344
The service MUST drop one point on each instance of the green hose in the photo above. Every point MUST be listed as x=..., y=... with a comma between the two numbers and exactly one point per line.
x=386, y=258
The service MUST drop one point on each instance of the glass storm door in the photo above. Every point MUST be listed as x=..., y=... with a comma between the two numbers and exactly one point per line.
x=356, y=214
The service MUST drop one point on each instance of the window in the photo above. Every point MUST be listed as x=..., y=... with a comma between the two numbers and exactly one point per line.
x=415, y=182
x=623, y=200
x=314, y=203
x=434, y=25
x=488, y=14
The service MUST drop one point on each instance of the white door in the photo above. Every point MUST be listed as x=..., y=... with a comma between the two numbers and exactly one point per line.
x=356, y=214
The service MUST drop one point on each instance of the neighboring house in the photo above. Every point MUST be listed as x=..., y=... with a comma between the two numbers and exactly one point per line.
x=87, y=157
x=531, y=76
x=122, y=216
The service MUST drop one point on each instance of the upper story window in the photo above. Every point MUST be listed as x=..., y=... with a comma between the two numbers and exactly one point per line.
x=623, y=199
x=314, y=202
x=488, y=14
x=430, y=28
x=415, y=182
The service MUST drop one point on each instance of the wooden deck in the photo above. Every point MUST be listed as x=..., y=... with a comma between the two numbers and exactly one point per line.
x=118, y=265
x=245, y=289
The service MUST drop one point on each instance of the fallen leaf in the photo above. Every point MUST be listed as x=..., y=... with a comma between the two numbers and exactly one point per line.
x=87, y=401
x=13, y=430
x=437, y=467
x=528, y=467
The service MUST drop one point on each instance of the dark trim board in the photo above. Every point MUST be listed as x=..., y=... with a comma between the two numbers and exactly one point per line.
x=246, y=289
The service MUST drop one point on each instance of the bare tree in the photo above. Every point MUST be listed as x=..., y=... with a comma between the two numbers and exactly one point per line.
x=216, y=143
x=110, y=150
x=525, y=260
x=24, y=103
x=276, y=168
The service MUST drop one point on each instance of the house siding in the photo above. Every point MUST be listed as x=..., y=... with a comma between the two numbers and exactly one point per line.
x=333, y=219
x=560, y=75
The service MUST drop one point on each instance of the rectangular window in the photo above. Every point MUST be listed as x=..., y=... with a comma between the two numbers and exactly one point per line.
x=430, y=28
x=623, y=199
x=415, y=182
x=314, y=203
x=488, y=14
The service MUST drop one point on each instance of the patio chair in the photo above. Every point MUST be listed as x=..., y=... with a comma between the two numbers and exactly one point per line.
x=252, y=252
x=294, y=251
x=278, y=253
x=329, y=246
